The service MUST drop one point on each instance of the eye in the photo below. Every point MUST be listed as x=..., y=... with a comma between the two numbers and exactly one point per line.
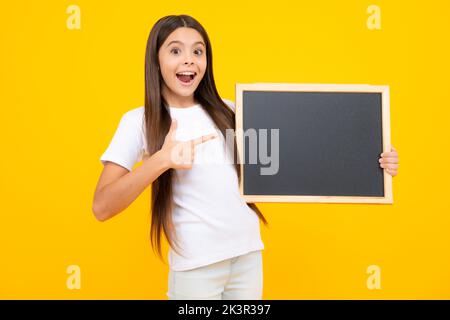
x=199, y=50
x=176, y=49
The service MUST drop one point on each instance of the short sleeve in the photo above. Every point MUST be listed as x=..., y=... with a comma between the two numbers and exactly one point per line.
x=126, y=147
x=230, y=104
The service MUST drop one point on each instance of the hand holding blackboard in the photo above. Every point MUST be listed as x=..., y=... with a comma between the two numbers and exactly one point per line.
x=389, y=161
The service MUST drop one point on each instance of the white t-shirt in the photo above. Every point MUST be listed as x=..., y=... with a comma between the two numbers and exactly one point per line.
x=213, y=222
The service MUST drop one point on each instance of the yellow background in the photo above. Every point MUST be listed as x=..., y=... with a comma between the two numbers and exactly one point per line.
x=63, y=92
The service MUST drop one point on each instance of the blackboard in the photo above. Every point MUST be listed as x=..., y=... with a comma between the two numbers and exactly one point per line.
x=313, y=142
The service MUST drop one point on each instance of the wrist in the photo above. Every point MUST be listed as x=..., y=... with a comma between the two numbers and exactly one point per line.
x=162, y=159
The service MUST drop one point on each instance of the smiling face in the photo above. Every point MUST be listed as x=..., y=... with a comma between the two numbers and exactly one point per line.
x=182, y=60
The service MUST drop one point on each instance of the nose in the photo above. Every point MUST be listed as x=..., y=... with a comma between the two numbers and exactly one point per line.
x=188, y=59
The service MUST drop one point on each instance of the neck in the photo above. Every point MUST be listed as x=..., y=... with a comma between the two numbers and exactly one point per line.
x=178, y=101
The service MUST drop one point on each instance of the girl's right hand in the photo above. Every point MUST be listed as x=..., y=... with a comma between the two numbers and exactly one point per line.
x=180, y=154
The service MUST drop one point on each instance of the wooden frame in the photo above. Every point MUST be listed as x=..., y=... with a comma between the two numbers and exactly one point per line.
x=384, y=90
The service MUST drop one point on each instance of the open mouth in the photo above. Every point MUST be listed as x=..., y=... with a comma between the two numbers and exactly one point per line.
x=186, y=78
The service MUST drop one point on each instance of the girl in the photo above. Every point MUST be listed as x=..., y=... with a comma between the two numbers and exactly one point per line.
x=214, y=237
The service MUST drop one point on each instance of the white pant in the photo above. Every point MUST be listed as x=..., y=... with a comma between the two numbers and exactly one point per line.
x=239, y=278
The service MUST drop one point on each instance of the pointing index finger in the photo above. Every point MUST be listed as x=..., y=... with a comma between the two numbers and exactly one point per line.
x=203, y=139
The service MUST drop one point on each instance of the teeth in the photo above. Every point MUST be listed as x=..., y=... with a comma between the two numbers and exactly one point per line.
x=186, y=73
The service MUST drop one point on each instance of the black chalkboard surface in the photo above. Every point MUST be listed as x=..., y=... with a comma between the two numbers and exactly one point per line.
x=313, y=142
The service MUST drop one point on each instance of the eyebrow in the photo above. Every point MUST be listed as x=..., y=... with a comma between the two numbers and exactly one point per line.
x=176, y=41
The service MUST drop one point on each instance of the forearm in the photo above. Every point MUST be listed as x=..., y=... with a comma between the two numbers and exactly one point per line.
x=117, y=196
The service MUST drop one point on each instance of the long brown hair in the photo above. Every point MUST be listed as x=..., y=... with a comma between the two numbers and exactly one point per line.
x=158, y=121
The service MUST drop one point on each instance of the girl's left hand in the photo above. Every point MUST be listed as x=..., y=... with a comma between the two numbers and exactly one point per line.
x=389, y=161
